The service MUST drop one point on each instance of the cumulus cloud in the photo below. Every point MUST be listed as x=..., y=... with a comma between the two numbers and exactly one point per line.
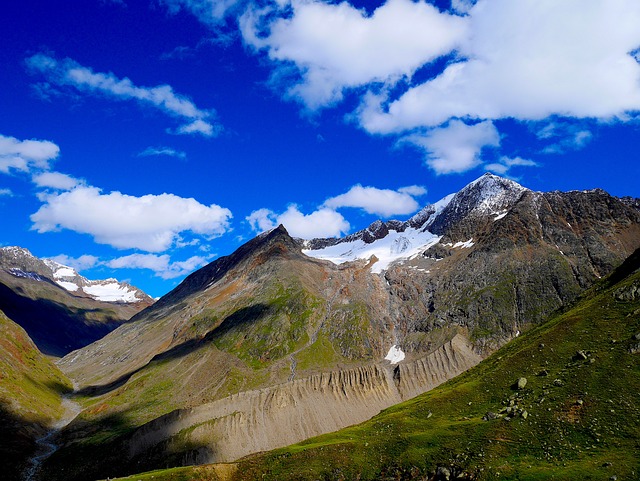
x=151, y=223
x=484, y=60
x=162, y=151
x=462, y=6
x=382, y=202
x=337, y=46
x=529, y=60
x=55, y=180
x=25, y=155
x=323, y=222
x=161, y=265
x=68, y=72
x=81, y=263
x=456, y=147
x=503, y=166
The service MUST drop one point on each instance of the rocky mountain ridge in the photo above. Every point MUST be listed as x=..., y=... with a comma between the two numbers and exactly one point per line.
x=456, y=217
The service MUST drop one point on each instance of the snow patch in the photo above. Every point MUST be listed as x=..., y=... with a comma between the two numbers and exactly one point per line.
x=464, y=245
x=111, y=292
x=26, y=275
x=64, y=271
x=500, y=215
x=395, y=246
x=395, y=355
x=70, y=286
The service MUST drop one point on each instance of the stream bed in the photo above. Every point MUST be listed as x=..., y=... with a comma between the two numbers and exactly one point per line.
x=47, y=443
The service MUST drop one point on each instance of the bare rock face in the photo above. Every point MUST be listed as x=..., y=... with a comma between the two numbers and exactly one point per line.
x=275, y=342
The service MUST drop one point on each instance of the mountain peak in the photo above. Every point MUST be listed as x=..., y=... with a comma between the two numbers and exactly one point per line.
x=20, y=262
x=274, y=242
x=491, y=186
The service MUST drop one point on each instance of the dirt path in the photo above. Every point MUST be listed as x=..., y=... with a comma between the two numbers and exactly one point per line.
x=47, y=443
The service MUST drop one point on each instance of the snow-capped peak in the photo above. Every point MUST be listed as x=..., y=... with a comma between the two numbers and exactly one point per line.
x=491, y=191
x=19, y=262
x=394, y=240
x=107, y=290
x=60, y=271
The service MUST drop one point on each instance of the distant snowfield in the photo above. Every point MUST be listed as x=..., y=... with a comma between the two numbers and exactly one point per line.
x=62, y=271
x=107, y=291
x=395, y=246
x=70, y=286
x=111, y=292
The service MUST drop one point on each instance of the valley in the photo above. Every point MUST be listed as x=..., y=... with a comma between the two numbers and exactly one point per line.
x=285, y=340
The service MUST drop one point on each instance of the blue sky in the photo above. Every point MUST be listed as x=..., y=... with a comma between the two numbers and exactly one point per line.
x=142, y=139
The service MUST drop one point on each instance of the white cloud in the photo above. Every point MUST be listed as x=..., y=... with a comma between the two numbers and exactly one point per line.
x=262, y=220
x=151, y=223
x=526, y=60
x=462, y=6
x=6, y=193
x=564, y=136
x=67, y=72
x=456, y=147
x=382, y=202
x=210, y=12
x=336, y=46
x=505, y=163
x=413, y=190
x=199, y=127
x=324, y=222
x=161, y=265
x=529, y=60
x=25, y=155
x=166, y=151
x=81, y=263
x=55, y=180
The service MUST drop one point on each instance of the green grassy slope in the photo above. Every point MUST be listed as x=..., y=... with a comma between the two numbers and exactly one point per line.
x=577, y=417
x=30, y=396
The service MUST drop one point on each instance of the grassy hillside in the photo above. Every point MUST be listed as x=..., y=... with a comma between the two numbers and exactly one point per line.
x=30, y=395
x=577, y=417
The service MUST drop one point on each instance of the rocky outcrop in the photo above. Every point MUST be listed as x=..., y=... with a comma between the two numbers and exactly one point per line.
x=425, y=373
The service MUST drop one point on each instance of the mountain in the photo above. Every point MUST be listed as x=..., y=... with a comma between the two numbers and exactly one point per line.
x=60, y=309
x=560, y=402
x=108, y=290
x=285, y=339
